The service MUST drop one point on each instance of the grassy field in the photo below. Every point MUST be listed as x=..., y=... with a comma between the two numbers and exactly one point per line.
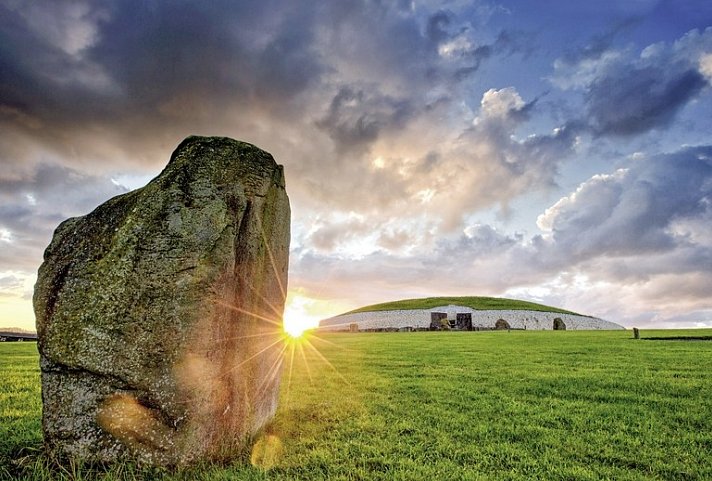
x=477, y=303
x=520, y=405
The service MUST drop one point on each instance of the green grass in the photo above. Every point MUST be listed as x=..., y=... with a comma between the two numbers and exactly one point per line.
x=520, y=405
x=477, y=303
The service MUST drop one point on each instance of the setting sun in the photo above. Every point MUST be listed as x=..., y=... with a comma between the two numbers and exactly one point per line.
x=299, y=315
x=295, y=327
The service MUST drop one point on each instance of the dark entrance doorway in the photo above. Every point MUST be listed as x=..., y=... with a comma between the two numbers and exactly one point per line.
x=559, y=324
x=501, y=324
x=464, y=321
x=436, y=320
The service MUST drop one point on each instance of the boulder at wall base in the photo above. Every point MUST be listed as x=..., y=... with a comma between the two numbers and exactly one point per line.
x=159, y=313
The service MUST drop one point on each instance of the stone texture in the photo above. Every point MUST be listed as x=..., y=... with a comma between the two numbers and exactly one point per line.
x=159, y=313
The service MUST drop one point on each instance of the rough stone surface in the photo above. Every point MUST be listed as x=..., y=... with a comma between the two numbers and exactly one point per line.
x=423, y=318
x=159, y=313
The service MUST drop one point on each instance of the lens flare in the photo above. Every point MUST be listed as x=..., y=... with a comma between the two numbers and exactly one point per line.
x=297, y=317
x=294, y=326
x=266, y=452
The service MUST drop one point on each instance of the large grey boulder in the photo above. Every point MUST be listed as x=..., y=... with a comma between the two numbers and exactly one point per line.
x=159, y=313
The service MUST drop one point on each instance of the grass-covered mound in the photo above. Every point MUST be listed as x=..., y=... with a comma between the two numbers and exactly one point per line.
x=477, y=303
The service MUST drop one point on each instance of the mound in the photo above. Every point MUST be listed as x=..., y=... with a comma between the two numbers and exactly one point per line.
x=462, y=313
x=477, y=303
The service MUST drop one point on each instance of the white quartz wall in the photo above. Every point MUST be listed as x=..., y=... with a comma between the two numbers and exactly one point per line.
x=420, y=318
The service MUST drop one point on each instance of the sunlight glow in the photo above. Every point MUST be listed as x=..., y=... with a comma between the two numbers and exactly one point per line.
x=297, y=315
x=294, y=327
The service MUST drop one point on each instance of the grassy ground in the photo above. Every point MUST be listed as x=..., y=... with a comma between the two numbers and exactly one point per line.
x=477, y=303
x=518, y=405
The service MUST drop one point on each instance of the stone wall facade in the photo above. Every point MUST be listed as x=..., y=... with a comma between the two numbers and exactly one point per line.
x=421, y=318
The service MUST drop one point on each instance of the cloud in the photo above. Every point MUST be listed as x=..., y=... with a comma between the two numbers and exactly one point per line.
x=706, y=66
x=115, y=77
x=635, y=210
x=33, y=206
x=396, y=125
x=599, y=45
x=431, y=173
x=639, y=237
x=625, y=95
x=10, y=282
x=356, y=117
x=627, y=103
x=299, y=79
x=634, y=246
x=501, y=104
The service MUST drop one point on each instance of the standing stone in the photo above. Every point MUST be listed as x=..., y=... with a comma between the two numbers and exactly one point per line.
x=159, y=313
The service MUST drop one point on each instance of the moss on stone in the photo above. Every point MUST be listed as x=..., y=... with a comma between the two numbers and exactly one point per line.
x=161, y=274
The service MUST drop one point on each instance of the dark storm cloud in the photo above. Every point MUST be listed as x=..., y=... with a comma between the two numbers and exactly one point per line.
x=455, y=41
x=356, y=117
x=32, y=207
x=124, y=81
x=633, y=101
x=135, y=72
x=627, y=95
x=151, y=51
x=159, y=48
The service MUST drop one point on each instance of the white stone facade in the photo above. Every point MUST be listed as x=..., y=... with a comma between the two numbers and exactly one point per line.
x=420, y=319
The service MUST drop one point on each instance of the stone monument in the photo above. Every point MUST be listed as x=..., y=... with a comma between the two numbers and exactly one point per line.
x=159, y=313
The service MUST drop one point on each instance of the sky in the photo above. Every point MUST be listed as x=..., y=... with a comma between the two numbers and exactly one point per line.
x=553, y=151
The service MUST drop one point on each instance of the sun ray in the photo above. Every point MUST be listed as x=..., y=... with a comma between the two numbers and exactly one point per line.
x=289, y=376
x=306, y=363
x=243, y=311
x=264, y=299
x=261, y=351
x=273, y=370
x=246, y=336
x=271, y=257
x=328, y=363
x=341, y=324
x=316, y=337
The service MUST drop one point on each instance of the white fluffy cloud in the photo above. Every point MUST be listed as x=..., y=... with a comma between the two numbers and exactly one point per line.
x=501, y=104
